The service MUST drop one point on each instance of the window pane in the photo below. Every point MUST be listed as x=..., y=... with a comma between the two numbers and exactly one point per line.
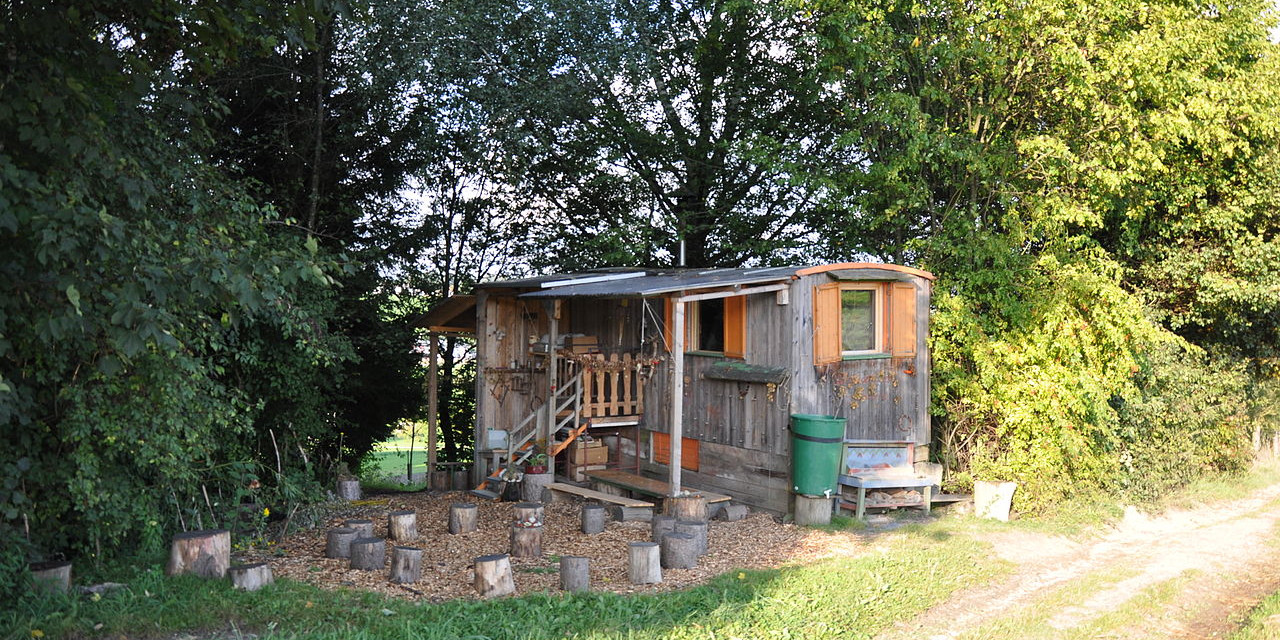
x=857, y=320
x=710, y=325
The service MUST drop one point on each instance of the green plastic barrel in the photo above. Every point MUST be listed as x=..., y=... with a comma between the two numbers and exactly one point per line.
x=816, y=444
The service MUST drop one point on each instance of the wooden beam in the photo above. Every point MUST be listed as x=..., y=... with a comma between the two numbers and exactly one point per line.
x=736, y=291
x=677, y=392
x=433, y=401
x=553, y=324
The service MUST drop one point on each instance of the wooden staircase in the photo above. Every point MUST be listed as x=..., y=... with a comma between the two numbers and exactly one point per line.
x=505, y=465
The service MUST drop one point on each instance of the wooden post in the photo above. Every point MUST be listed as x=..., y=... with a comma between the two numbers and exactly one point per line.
x=553, y=336
x=813, y=510
x=462, y=517
x=493, y=576
x=348, y=489
x=363, y=527
x=696, y=529
x=251, y=577
x=368, y=554
x=433, y=400
x=406, y=564
x=204, y=553
x=526, y=542
x=690, y=507
x=574, y=573
x=661, y=526
x=592, y=518
x=528, y=513
x=677, y=393
x=402, y=526
x=644, y=563
x=54, y=577
x=679, y=551
x=533, y=484
x=338, y=544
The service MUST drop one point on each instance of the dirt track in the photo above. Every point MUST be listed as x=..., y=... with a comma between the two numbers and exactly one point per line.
x=1219, y=560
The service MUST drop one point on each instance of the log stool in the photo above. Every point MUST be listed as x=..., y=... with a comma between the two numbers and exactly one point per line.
x=592, y=518
x=692, y=507
x=54, y=577
x=733, y=512
x=363, y=526
x=251, y=577
x=644, y=563
x=406, y=564
x=349, y=489
x=661, y=525
x=526, y=542
x=338, y=544
x=696, y=529
x=462, y=517
x=679, y=551
x=574, y=573
x=368, y=554
x=204, y=553
x=528, y=513
x=402, y=526
x=493, y=576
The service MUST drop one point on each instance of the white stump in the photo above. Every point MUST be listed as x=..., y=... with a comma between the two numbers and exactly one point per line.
x=368, y=554
x=644, y=563
x=338, y=544
x=592, y=518
x=251, y=577
x=813, y=510
x=696, y=529
x=679, y=551
x=660, y=526
x=493, y=576
x=362, y=526
x=533, y=484
x=54, y=577
x=349, y=489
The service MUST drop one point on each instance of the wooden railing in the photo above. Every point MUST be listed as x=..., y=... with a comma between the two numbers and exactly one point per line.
x=612, y=385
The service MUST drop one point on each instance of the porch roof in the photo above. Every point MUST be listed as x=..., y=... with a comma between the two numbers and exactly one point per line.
x=629, y=284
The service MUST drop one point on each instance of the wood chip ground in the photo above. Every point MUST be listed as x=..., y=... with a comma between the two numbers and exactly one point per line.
x=759, y=541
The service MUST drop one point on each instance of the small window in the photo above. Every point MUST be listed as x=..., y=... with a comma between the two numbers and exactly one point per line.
x=706, y=326
x=861, y=320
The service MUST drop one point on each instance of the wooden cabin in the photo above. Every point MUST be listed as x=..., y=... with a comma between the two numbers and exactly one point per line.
x=703, y=367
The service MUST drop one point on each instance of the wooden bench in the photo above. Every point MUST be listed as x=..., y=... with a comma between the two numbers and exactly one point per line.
x=646, y=486
x=884, y=464
x=592, y=494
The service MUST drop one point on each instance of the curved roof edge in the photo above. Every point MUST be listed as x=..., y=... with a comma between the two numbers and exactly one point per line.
x=808, y=271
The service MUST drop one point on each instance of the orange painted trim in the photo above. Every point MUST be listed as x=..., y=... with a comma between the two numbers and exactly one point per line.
x=920, y=273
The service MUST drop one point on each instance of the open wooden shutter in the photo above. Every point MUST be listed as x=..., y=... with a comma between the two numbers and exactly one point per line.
x=668, y=319
x=735, y=327
x=902, y=319
x=826, y=323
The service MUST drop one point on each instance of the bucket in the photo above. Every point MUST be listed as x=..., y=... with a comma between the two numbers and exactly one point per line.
x=816, y=444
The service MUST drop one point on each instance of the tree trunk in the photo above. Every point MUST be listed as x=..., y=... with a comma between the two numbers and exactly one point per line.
x=574, y=573
x=204, y=553
x=362, y=526
x=369, y=554
x=526, y=542
x=679, y=551
x=644, y=563
x=51, y=576
x=446, y=396
x=251, y=577
x=493, y=576
x=592, y=518
x=406, y=564
x=402, y=526
x=462, y=517
x=338, y=544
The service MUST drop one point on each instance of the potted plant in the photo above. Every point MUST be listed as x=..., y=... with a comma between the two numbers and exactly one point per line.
x=537, y=463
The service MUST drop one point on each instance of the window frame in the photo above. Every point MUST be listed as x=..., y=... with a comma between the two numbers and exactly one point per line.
x=878, y=313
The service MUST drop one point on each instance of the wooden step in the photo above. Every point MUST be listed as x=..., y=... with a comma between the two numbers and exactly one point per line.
x=484, y=493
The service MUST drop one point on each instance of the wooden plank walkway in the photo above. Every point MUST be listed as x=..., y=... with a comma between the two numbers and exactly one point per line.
x=646, y=486
x=599, y=495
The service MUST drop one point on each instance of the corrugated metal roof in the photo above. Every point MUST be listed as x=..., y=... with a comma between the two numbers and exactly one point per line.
x=654, y=283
